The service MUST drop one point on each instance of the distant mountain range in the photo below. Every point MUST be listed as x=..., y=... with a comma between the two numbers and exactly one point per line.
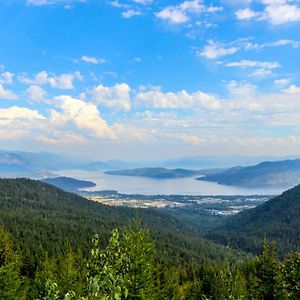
x=28, y=163
x=277, y=219
x=284, y=174
x=226, y=161
x=161, y=173
x=268, y=174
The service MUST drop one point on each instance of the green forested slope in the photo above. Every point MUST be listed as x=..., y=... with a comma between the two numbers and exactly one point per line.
x=43, y=218
x=278, y=219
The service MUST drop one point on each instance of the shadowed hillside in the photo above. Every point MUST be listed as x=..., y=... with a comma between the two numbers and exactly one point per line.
x=278, y=219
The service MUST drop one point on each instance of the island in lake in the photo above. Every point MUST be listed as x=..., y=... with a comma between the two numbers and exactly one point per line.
x=162, y=173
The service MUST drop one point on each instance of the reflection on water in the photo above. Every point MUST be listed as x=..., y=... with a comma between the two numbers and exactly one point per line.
x=149, y=186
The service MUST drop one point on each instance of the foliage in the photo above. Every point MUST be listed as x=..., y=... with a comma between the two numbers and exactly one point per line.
x=10, y=280
x=278, y=219
x=54, y=261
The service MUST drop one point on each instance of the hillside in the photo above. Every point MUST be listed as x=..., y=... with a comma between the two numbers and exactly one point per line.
x=42, y=218
x=284, y=173
x=69, y=184
x=278, y=219
x=157, y=173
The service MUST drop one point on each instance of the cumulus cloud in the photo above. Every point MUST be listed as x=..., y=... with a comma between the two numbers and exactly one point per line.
x=82, y=115
x=276, y=12
x=17, y=121
x=292, y=89
x=6, y=78
x=7, y=94
x=246, y=14
x=36, y=93
x=215, y=50
x=115, y=97
x=131, y=13
x=155, y=98
x=63, y=81
x=14, y=113
x=181, y=13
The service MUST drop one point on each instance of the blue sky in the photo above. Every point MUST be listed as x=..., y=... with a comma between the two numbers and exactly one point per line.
x=146, y=79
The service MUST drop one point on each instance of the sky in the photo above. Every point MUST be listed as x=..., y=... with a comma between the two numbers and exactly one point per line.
x=148, y=79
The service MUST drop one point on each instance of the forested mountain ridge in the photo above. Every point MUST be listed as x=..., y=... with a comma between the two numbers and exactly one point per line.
x=69, y=184
x=53, y=260
x=284, y=173
x=278, y=219
x=42, y=217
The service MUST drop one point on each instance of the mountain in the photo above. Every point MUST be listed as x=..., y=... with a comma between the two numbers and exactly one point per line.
x=284, y=174
x=157, y=173
x=27, y=164
x=69, y=184
x=226, y=161
x=42, y=218
x=278, y=219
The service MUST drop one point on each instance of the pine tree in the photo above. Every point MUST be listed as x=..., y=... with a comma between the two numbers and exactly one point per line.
x=10, y=282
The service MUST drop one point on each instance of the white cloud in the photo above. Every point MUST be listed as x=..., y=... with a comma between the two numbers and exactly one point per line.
x=92, y=60
x=144, y=2
x=6, y=78
x=214, y=50
x=190, y=139
x=131, y=13
x=81, y=115
x=280, y=12
x=181, y=13
x=282, y=81
x=246, y=14
x=262, y=68
x=16, y=122
x=51, y=2
x=7, y=94
x=253, y=64
x=292, y=89
x=237, y=89
x=36, y=93
x=115, y=97
x=14, y=113
x=155, y=98
x=60, y=137
x=40, y=2
x=283, y=42
x=276, y=12
x=63, y=81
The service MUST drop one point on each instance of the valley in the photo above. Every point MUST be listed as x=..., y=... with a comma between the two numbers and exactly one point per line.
x=202, y=205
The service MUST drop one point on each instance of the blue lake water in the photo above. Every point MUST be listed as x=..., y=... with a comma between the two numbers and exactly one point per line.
x=149, y=186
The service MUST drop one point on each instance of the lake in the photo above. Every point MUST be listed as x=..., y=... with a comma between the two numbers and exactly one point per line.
x=149, y=186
